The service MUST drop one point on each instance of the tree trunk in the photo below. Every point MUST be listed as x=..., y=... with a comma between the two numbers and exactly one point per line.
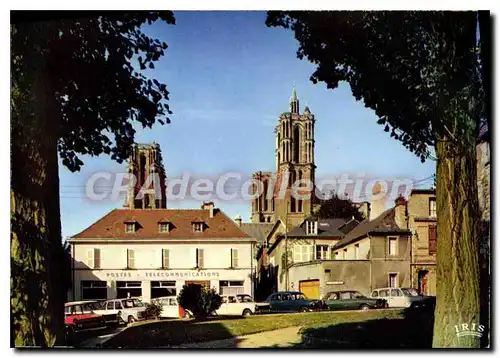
x=457, y=299
x=37, y=300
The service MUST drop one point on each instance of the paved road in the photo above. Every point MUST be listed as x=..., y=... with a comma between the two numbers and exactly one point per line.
x=281, y=338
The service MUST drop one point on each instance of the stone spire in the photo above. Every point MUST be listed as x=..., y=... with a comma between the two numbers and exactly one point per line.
x=294, y=101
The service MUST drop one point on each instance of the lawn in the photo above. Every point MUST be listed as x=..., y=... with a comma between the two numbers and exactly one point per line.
x=412, y=329
x=174, y=332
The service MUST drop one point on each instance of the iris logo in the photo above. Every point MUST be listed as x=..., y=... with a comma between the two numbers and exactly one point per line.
x=465, y=329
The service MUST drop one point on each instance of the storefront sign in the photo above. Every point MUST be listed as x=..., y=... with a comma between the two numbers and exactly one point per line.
x=140, y=274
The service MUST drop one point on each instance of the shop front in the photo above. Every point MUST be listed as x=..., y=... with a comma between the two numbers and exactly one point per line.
x=148, y=284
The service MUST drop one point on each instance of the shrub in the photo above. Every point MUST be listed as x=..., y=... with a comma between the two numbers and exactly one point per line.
x=200, y=300
x=154, y=309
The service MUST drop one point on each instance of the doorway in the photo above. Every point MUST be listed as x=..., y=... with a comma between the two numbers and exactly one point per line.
x=423, y=276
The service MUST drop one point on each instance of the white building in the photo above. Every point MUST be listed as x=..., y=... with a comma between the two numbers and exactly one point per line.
x=154, y=252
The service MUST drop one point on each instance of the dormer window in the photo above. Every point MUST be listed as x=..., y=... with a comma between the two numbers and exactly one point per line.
x=130, y=228
x=163, y=227
x=198, y=227
x=311, y=227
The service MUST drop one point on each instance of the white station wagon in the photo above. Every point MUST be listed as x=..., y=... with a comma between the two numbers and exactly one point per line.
x=400, y=297
x=237, y=305
x=128, y=310
x=171, y=309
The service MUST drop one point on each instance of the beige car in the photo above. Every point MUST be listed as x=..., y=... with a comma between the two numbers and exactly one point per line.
x=237, y=305
x=171, y=309
x=400, y=297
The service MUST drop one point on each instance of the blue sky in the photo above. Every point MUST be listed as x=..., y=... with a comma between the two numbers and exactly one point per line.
x=229, y=78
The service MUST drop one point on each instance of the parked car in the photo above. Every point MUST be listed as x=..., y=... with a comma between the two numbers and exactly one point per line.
x=402, y=297
x=78, y=317
x=128, y=310
x=351, y=300
x=171, y=308
x=237, y=305
x=291, y=301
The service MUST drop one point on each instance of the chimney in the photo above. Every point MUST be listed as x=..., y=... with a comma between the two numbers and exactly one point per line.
x=400, y=214
x=377, y=205
x=209, y=206
x=238, y=220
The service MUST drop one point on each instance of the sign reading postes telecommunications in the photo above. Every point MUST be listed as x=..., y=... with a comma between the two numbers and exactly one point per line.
x=161, y=274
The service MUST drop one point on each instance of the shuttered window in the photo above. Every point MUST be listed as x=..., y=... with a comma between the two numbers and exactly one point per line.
x=130, y=259
x=432, y=240
x=200, y=262
x=165, y=258
x=97, y=258
x=234, y=257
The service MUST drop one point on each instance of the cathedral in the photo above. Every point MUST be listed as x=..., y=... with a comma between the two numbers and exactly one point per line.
x=145, y=162
x=295, y=157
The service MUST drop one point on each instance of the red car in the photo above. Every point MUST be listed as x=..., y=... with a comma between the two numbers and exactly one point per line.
x=79, y=316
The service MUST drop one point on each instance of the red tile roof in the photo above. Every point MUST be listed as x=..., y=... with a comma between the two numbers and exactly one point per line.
x=112, y=225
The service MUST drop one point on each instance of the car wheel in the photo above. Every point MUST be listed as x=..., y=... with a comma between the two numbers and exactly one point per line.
x=303, y=309
x=131, y=319
x=247, y=312
x=364, y=307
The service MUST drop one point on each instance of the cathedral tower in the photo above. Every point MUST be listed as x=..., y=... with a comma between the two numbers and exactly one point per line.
x=295, y=156
x=146, y=163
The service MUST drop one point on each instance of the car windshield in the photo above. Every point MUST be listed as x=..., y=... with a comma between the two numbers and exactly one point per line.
x=138, y=303
x=245, y=298
x=409, y=292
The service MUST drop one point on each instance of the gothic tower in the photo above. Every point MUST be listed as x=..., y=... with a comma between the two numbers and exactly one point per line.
x=295, y=157
x=146, y=163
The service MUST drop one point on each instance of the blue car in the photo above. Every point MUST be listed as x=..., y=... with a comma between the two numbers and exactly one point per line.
x=291, y=301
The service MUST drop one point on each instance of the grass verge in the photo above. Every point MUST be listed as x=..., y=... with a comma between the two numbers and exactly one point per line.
x=175, y=332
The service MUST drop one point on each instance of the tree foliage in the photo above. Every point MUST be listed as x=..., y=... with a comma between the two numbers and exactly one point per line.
x=423, y=74
x=336, y=207
x=406, y=66
x=76, y=88
x=200, y=300
x=95, y=68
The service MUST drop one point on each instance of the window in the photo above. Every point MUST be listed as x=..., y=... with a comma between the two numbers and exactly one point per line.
x=336, y=257
x=163, y=227
x=356, y=251
x=393, y=280
x=332, y=296
x=129, y=228
x=432, y=240
x=311, y=227
x=94, y=258
x=344, y=254
x=321, y=252
x=234, y=257
x=375, y=294
x=393, y=246
x=197, y=227
x=130, y=259
x=302, y=253
x=432, y=207
x=163, y=288
x=125, y=289
x=345, y=295
x=165, y=258
x=199, y=258
x=396, y=293
x=231, y=288
x=384, y=293
x=94, y=290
